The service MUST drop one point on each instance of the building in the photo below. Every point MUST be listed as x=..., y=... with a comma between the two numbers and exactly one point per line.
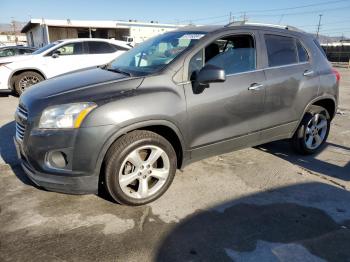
x=40, y=32
x=11, y=40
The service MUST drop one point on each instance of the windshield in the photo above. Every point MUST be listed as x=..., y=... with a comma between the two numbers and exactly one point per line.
x=155, y=53
x=44, y=48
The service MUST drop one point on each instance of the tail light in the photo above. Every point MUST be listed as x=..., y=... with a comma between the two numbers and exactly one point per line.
x=336, y=73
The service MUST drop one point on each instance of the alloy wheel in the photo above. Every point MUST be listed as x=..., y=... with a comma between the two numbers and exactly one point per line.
x=28, y=81
x=316, y=131
x=144, y=171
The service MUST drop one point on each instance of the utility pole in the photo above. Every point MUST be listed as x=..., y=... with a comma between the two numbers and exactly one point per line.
x=319, y=25
x=13, y=23
x=244, y=17
x=230, y=19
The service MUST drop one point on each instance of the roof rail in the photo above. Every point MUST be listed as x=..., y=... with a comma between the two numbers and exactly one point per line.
x=287, y=27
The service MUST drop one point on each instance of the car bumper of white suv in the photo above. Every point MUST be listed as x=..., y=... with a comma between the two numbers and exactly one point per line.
x=5, y=74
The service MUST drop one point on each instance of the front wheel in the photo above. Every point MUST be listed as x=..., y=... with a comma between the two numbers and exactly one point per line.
x=140, y=167
x=25, y=80
x=312, y=132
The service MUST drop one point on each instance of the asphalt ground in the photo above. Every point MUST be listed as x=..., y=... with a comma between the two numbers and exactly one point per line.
x=258, y=204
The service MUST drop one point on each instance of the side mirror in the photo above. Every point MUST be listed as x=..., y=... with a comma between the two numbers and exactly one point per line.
x=56, y=54
x=211, y=74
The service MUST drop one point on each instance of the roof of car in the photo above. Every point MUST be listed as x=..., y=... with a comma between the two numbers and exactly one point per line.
x=17, y=47
x=86, y=39
x=112, y=41
x=242, y=25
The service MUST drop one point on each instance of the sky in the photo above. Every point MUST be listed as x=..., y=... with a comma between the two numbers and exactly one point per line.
x=301, y=13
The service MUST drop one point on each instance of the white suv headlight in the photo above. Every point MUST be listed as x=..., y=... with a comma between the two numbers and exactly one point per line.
x=65, y=116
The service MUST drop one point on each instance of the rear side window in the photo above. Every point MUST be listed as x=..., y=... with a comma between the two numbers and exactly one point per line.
x=281, y=50
x=302, y=53
x=24, y=51
x=121, y=48
x=320, y=48
x=100, y=48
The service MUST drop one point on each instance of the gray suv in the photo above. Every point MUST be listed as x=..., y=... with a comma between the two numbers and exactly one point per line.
x=177, y=98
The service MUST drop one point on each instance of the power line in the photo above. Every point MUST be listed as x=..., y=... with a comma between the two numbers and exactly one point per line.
x=305, y=12
x=296, y=7
x=270, y=10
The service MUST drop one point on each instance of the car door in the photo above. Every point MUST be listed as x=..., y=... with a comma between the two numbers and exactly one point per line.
x=225, y=116
x=65, y=58
x=291, y=83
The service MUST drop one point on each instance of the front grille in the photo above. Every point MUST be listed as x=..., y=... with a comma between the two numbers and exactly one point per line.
x=20, y=131
x=22, y=113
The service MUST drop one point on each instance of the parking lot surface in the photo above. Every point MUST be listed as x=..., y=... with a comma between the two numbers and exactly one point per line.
x=258, y=204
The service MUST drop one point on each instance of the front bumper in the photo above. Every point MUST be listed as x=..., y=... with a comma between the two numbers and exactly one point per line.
x=5, y=74
x=83, y=149
x=63, y=182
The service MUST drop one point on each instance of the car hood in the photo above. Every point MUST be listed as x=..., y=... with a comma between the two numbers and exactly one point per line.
x=11, y=59
x=91, y=85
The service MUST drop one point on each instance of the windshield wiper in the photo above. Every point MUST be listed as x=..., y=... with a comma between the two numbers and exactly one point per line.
x=117, y=70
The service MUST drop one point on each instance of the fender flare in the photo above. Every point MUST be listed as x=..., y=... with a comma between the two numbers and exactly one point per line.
x=311, y=104
x=25, y=69
x=139, y=125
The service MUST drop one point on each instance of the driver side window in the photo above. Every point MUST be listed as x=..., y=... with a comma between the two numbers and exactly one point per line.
x=234, y=54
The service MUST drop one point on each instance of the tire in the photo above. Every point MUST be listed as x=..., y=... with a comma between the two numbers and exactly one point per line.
x=309, y=130
x=134, y=159
x=25, y=80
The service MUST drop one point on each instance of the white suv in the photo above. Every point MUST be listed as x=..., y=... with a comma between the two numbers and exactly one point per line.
x=55, y=59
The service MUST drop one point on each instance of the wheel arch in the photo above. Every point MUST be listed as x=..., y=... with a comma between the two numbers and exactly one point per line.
x=164, y=128
x=21, y=70
x=327, y=102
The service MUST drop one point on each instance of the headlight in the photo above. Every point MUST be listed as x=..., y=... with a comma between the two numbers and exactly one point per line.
x=65, y=116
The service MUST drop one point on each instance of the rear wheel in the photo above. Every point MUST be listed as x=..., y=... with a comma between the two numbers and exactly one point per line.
x=140, y=167
x=25, y=80
x=312, y=132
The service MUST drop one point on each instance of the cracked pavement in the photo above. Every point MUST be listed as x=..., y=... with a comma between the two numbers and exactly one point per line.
x=258, y=204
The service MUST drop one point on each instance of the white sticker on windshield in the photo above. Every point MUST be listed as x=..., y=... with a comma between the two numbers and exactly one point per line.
x=192, y=36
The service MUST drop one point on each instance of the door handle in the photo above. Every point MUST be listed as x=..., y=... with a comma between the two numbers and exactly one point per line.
x=308, y=73
x=255, y=86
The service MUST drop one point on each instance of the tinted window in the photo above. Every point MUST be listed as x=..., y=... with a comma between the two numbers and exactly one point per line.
x=281, y=50
x=234, y=54
x=320, y=48
x=100, y=48
x=302, y=53
x=116, y=48
x=24, y=51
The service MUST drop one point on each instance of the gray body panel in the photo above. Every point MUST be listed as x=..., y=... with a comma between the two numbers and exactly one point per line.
x=223, y=117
